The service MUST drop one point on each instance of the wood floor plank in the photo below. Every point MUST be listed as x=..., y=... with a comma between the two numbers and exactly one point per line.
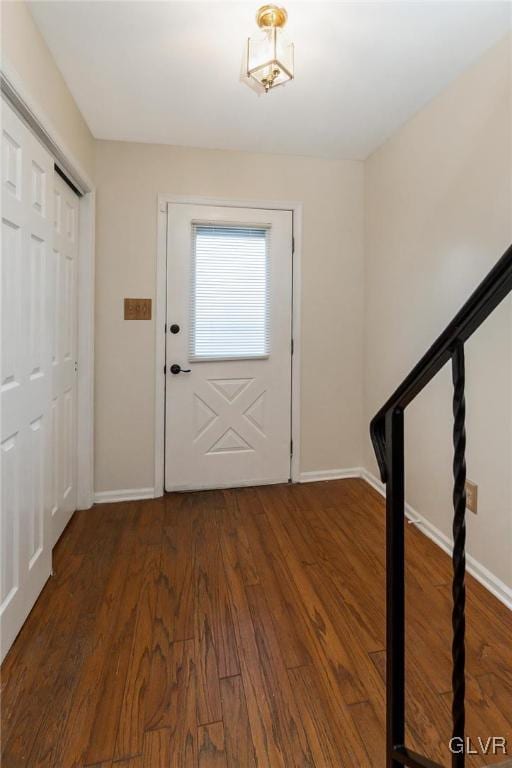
x=352, y=525
x=315, y=717
x=356, y=606
x=305, y=497
x=240, y=749
x=269, y=751
x=76, y=737
x=174, y=610
x=369, y=727
x=177, y=706
x=157, y=749
x=168, y=596
x=235, y=527
x=496, y=690
x=108, y=711
x=206, y=561
x=331, y=658
x=224, y=631
x=328, y=643
x=343, y=577
x=86, y=592
x=132, y=712
x=178, y=570
x=248, y=500
x=346, y=625
x=285, y=717
x=183, y=716
x=45, y=747
x=211, y=746
x=280, y=594
x=279, y=503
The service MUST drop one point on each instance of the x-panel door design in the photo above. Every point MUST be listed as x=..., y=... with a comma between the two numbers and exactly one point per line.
x=228, y=347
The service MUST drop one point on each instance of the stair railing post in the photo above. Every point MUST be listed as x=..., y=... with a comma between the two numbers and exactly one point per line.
x=395, y=585
x=459, y=554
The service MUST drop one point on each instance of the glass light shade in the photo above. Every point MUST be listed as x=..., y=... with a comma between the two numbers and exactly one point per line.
x=270, y=58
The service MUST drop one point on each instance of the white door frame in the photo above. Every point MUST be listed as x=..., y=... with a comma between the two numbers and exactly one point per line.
x=15, y=93
x=161, y=316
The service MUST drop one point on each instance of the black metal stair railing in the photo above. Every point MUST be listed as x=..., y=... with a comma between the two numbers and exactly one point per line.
x=387, y=433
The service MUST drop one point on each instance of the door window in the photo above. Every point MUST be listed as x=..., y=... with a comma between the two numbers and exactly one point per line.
x=230, y=292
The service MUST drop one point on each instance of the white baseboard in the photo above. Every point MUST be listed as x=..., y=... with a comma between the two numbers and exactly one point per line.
x=129, y=494
x=374, y=482
x=329, y=474
x=482, y=574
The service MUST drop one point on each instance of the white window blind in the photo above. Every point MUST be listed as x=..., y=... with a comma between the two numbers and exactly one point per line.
x=230, y=292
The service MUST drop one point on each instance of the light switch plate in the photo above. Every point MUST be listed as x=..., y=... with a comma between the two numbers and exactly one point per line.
x=471, y=496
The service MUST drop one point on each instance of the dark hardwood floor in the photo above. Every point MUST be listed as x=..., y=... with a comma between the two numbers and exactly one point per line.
x=241, y=628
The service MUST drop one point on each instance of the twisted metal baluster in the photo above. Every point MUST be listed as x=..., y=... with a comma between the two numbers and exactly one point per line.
x=459, y=556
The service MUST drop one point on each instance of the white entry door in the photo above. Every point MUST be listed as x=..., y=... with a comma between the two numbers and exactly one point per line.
x=64, y=269
x=27, y=232
x=229, y=315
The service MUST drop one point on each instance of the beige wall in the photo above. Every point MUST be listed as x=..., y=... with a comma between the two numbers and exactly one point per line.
x=129, y=177
x=27, y=59
x=437, y=217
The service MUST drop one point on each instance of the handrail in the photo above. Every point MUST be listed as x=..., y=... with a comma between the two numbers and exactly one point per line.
x=491, y=291
x=387, y=433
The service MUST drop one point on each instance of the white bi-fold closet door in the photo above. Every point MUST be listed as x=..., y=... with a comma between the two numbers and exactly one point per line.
x=37, y=381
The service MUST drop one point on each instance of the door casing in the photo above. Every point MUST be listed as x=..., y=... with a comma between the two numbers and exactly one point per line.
x=161, y=317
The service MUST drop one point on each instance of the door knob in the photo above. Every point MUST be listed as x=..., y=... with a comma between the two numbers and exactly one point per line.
x=175, y=368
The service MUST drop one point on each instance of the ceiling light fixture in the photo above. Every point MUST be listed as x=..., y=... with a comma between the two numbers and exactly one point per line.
x=269, y=55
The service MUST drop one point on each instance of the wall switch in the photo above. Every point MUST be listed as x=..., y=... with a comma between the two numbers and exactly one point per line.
x=471, y=496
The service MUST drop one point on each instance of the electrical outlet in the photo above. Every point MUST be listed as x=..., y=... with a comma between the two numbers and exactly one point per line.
x=471, y=496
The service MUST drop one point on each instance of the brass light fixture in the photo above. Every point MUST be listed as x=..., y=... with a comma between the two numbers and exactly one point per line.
x=269, y=55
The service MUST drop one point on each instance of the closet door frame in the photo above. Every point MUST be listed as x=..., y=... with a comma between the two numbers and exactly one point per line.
x=41, y=125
